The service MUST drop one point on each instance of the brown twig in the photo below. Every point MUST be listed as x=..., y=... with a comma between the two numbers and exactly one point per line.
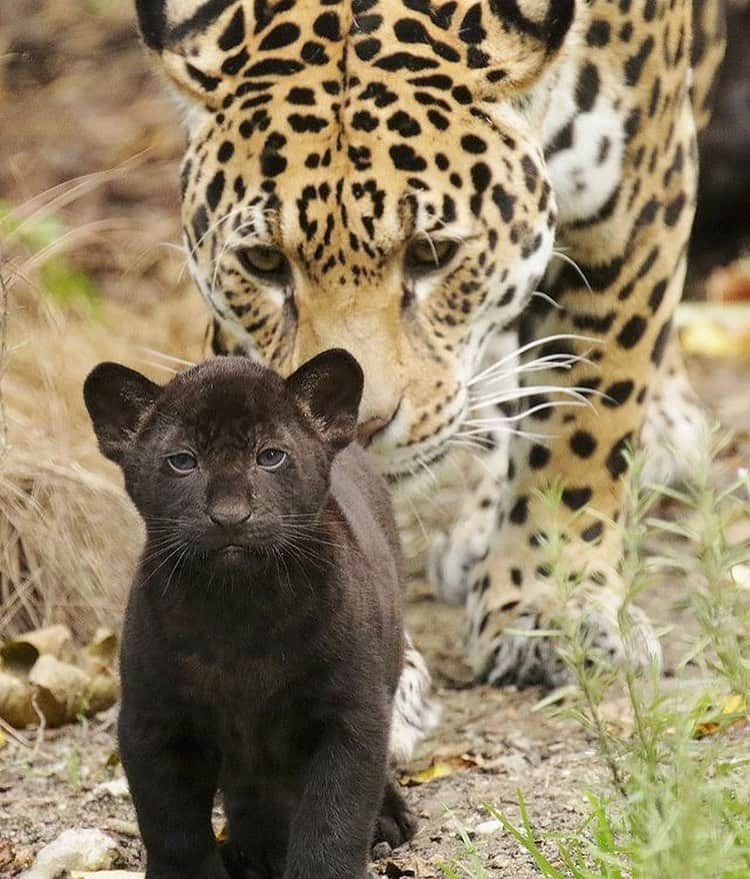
x=40, y=729
x=13, y=733
x=3, y=356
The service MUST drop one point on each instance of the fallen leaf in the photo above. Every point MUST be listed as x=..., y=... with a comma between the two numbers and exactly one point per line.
x=15, y=702
x=60, y=689
x=734, y=708
x=730, y=283
x=20, y=654
x=439, y=768
x=7, y=855
x=714, y=330
x=102, y=690
x=103, y=646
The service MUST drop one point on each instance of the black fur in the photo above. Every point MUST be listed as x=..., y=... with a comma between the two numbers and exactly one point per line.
x=156, y=30
x=263, y=639
x=152, y=18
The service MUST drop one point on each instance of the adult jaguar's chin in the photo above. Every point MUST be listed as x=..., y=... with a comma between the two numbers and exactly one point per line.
x=410, y=462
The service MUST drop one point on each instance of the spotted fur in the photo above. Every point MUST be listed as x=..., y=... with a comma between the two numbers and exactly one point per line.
x=338, y=133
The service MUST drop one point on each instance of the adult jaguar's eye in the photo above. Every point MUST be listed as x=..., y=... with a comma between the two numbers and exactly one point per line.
x=182, y=462
x=267, y=263
x=424, y=255
x=271, y=459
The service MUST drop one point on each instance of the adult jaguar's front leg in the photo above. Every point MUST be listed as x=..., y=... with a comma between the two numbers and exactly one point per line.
x=620, y=277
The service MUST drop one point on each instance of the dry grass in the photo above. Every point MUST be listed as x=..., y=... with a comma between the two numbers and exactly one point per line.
x=68, y=534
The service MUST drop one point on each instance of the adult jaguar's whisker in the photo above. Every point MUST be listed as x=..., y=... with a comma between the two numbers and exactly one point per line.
x=571, y=262
x=541, y=364
x=547, y=298
x=541, y=407
x=510, y=396
x=494, y=367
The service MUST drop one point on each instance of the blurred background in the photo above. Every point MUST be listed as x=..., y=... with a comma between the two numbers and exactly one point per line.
x=89, y=237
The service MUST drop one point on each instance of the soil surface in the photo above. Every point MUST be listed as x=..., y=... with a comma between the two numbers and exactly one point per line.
x=78, y=98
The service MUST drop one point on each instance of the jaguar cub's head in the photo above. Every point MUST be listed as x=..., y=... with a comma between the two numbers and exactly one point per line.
x=228, y=460
x=360, y=174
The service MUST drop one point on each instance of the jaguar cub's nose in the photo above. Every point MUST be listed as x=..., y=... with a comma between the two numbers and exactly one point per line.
x=229, y=514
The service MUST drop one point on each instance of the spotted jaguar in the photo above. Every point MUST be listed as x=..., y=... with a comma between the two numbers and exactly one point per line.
x=488, y=202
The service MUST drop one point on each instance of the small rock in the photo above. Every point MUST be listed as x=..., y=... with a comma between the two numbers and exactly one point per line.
x=77, y=849
x=487, y=827
x=381, y=850
x=118, y=789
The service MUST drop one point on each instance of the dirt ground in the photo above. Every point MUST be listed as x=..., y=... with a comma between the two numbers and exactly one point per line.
x=77, y=98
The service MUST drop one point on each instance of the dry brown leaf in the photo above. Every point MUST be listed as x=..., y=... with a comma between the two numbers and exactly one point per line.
x=730, y=283
x=20, y=654
x=103, y=646
x=60, y=689
x=733, y=704
x=714, y=330
x=102, y=691
x=7, y=855
x=439, y=768
x=15, y=702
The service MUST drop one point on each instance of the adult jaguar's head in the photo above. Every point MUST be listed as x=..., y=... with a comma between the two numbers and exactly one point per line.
x=357, y=176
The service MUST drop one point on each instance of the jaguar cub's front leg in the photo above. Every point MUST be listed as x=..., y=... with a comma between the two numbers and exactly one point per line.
x=334, y=823
x=173, y=782
x=630, y=256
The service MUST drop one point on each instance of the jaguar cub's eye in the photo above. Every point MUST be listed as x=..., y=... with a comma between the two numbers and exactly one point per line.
x=426, y=255
x=271, y=459
x=182, y=462
x=267, y=263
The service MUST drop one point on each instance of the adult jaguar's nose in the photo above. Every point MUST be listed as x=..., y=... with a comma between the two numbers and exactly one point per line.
x=369, y=429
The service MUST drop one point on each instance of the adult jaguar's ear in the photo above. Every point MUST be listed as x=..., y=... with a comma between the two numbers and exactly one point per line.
x=117, y=398
x=509, y=43
x=199, y=43
x=329, y=389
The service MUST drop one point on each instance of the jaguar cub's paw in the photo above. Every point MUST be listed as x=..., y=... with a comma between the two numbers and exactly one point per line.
x=396, y=824
x=239, y=866
x=612, y=636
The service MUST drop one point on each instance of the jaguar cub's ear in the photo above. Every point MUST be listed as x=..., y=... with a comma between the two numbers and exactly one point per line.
x=329, y=388
x=200, y=43
x=116, y=398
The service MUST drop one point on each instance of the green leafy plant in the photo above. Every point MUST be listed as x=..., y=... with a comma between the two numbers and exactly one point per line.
x=677, y=803
x=44, y=237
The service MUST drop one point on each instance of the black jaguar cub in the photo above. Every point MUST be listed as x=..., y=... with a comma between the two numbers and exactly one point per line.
x=263, y=638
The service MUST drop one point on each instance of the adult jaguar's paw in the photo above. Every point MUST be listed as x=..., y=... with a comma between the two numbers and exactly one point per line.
x=676, y=431
x=527, y=646
x=415, y=713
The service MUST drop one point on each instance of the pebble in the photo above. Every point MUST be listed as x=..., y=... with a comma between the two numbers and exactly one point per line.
x=76, y=849
x=380, y=851
x=118, y=789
